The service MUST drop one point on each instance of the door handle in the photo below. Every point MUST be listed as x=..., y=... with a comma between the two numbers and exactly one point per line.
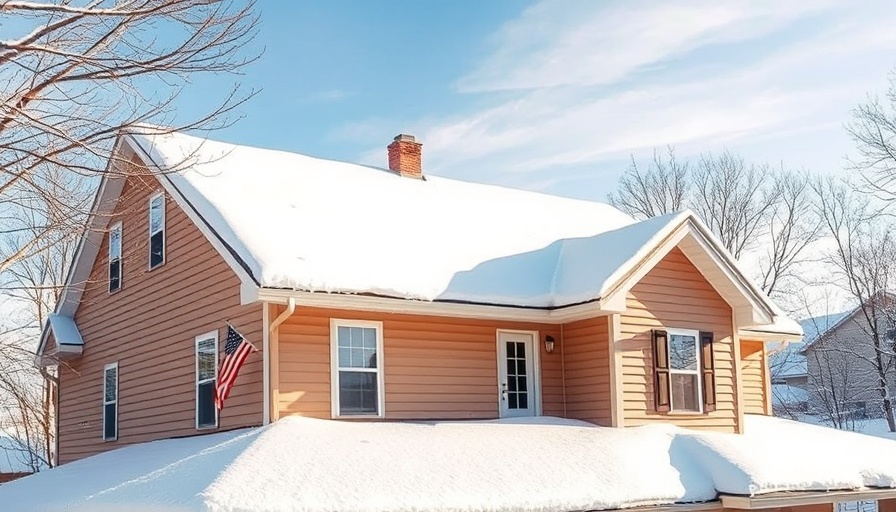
x=504, y=391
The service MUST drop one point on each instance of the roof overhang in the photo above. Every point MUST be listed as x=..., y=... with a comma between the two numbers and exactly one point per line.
x=750, y=306
x=793, y=499
x=433, y=308
x=67, y=341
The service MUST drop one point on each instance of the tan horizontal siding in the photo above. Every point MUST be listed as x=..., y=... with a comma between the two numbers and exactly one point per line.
x=753, y=368
x=586, y=357
x=675, y=295
x=434, y=367
x=149, y=328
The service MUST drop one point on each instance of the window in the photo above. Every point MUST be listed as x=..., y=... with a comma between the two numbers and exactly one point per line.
x=684, y=371
x=357, y=373
x=110, y=402
x=115, y=258
x=206, y=375
x=156, y=231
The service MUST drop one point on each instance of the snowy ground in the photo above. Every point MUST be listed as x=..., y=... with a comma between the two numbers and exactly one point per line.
x=544, y=465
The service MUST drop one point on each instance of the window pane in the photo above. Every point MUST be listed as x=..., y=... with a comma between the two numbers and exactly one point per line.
x=357, y=393
x=206, y=358
x=523, y=401
x=155, y=214
x=684, y=392
x=110, y=388
x=115, y=243
x=205, y=404
x=357, y=347
x=114, y=275
x=682, y=352
x=369, y=338
x=343, y=337
x=520, y=366
x=110, y=428
x=157, y=249
x=512, y=402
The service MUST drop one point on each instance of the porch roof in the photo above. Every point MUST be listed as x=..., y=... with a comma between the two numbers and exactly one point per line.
x=545, y=464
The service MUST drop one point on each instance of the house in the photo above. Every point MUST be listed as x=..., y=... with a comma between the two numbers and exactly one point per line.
x=789, y=368
x=843, y=380
x=382, y=296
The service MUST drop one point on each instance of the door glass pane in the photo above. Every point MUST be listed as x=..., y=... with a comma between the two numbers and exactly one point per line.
x=684, y=392
x=357, y=393
x=517, y=395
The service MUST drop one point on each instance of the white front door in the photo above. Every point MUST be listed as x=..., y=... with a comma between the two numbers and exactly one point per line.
x=517, y=379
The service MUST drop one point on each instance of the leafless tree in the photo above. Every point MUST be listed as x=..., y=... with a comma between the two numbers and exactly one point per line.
x=873, y=129
x=749, y=207
x=864, y=261
x=81, y=72
x=659, y=189
x=74, y=74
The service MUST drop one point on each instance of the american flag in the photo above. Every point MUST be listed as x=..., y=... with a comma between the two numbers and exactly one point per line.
x=236, y=350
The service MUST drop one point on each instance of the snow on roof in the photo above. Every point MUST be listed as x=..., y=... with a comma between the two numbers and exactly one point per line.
x=322, y=225
x=545, y=464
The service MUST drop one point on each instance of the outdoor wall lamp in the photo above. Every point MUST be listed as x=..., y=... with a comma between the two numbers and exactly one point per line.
x=548, y=344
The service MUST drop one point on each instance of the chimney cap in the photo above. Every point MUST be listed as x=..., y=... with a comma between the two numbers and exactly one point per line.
x=403, y=137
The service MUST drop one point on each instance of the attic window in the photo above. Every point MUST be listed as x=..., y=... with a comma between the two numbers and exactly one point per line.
x=156, y=231
x=115, y=258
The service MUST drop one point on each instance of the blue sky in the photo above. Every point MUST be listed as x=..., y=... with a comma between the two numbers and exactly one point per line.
x=555, y=95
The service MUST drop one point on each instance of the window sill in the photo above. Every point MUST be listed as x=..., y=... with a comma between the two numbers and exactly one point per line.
x=208, y=427
x=685, y=413
x=360, y=417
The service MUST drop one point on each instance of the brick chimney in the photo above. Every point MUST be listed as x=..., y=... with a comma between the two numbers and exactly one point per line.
x=405, y=156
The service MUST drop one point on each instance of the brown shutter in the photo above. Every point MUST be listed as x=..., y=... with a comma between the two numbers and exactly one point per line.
x=661, y=371
x=708, y=367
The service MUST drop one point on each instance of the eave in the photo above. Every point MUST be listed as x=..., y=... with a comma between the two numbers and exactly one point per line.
x=793, y=498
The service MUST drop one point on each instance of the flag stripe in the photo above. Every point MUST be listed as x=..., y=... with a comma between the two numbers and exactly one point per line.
x=236, y=350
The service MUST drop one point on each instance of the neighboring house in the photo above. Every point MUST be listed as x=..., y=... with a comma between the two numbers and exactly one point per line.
x=377, y=295
x=789, y=369
x=841, y=364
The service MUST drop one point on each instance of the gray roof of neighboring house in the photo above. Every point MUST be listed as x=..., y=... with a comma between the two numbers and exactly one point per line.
x=788, y=360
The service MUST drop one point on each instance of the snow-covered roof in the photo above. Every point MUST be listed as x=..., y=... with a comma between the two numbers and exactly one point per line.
x=544, y=464
x=302, y=223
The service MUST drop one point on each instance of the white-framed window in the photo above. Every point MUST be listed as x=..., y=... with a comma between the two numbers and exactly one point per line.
x=115, y=269
x=685, y=370
x=206, y=378
x=156, y=230
x=110, y=402
x=356, y=349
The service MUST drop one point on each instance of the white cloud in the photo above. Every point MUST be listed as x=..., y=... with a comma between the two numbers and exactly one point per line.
x=588, y=83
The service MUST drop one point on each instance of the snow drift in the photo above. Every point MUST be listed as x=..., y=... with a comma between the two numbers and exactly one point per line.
x=541, y=464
